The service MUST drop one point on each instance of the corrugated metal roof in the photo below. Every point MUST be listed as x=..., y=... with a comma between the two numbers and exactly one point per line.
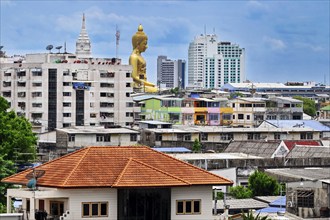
x=315, y=173
x=97, y=130
x=258, y=148
x=303, y=151
x=172, y=149
x=242, y=204
x=316, y=125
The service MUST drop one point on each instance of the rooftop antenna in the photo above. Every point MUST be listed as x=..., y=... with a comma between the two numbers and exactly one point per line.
x=64, y=47
x=49, y=47
x=59, y=48
x=204, y=29
x=117, y=40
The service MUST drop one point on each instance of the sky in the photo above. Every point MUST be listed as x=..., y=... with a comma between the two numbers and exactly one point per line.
x=284, y=40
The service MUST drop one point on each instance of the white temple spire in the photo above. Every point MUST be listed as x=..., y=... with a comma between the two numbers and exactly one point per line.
x=83, y=44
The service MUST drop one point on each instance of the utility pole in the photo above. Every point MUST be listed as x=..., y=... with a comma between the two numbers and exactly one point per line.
x=117, y=40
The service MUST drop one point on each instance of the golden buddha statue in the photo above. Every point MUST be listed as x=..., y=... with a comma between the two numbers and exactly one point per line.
x=139, y=42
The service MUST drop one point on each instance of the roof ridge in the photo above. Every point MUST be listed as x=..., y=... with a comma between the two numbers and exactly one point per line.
x=195, y=167
x=161, y=171
x=77, y=165
x=122, y=172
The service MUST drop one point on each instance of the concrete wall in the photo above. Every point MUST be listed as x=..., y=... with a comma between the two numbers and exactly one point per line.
x=204, y=193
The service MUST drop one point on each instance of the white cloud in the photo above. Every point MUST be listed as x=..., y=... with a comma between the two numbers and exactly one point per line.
x=6, y=3
x=315, y=48
x=257, y=5
x=275, y=44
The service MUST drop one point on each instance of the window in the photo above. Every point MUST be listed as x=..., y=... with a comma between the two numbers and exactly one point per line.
x=36, y=115
x=66, y=104
x=306, y=136
x=277, y=136
x=188, y=207
x=240, y=116
x=107, y=85
x=204, y=136
x=107, y=138
x=128, y=74
x=66, y=125
x=107, y=94
x=129, y=104
x=128, y=84
x=94, y=209
x=36, y=72
x=187, y=137
x=66, y=93
x=37, y=105
x=247, y=117
x=159, y=137
x=253, y=136
x=66, y=114
x=133, y=137
x=305, y=198
x=21, y=84
x=92, y=115
x=213, y=117
x=226, y=136
x=36, y=84
x=56, y=208
x=36, y=94
x=72, y=138
x=127, y=94
x=66, y=83
x=107, y=74
x=99, y=138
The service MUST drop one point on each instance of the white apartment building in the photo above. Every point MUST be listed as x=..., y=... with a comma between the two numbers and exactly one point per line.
x=170, y=73
x=59, y=90
x=211, y=64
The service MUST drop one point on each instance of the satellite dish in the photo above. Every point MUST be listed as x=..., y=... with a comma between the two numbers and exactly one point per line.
x=49, y=47
x=33, y=178
x=58, y=48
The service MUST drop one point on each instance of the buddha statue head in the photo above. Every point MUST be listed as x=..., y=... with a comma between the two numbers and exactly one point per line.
x=140, y=39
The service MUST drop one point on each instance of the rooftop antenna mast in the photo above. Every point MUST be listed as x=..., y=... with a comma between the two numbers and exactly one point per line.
x=117, y=40
x=65, y=47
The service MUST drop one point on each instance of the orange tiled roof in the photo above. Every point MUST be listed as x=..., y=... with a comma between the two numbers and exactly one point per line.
x=119, y=167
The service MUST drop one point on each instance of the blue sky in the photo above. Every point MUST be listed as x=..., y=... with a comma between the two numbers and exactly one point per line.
x=284, y=40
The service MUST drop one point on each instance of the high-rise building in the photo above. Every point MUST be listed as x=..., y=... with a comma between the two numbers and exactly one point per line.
x=56, y=90
x=170, y=73
x=211, y=64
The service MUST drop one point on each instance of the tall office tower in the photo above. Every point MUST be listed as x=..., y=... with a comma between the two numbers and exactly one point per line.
x=171, y=73
x=55, y=90
x=211, y=64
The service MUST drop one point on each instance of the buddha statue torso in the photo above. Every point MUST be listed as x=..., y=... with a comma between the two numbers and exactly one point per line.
x=139, y=41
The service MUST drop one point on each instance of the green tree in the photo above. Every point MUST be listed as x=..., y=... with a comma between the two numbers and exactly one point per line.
x=262, y=184
x=6, y=169
x=175, y=90
x=17, y=143
x=197, y=146
x=240, y=192
x=235, y=95
x=309, y=106
x=250, y=216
